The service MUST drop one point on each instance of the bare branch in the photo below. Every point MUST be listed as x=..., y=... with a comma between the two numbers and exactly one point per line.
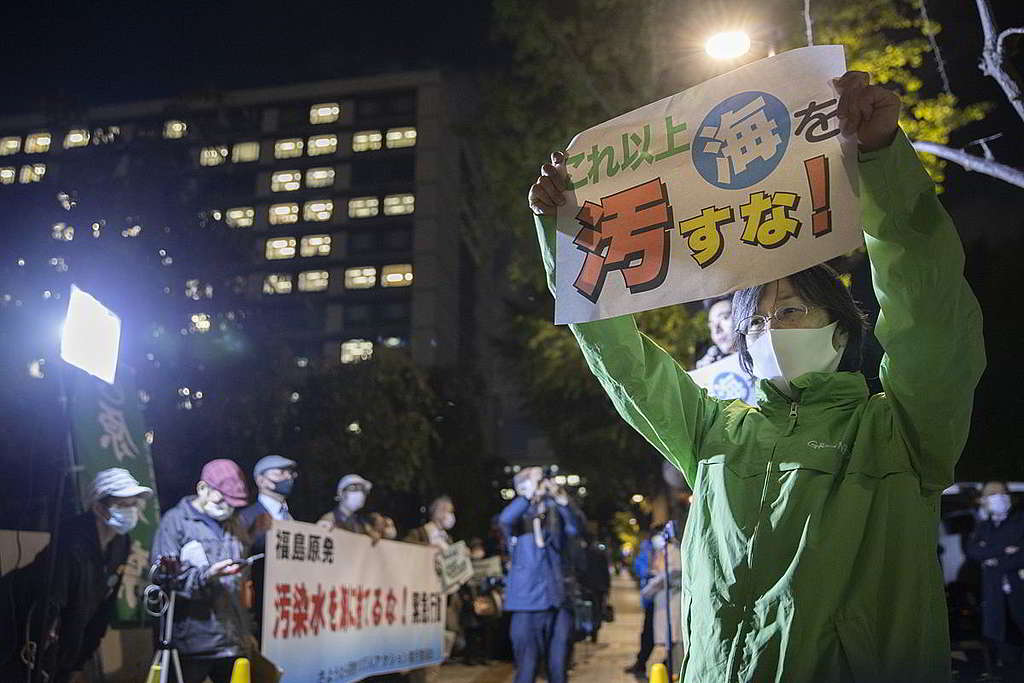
x=993, y=62
x=970, y=162
x=935, y=47
x=808, y=23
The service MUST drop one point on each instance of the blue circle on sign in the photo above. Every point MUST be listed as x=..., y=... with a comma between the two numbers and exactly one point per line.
x=741, y=140
x=729, y=385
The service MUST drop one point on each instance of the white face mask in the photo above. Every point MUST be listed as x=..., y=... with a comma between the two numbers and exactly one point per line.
x=448, y=521
x=783, y=355
x=998, y=503
x=122, y=519
x=219, y=511
x=658, y=542
x=353, y=500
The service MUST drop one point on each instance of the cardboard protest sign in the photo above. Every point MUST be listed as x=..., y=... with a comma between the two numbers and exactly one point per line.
x=456, y=567
x=735, y=182
x=725, y=379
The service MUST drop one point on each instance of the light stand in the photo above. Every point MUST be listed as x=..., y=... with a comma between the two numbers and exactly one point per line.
x=668, y=533
x=166, y=654
x=90, y=339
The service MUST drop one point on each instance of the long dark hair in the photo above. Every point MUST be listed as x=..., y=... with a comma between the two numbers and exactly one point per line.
x=819, y=286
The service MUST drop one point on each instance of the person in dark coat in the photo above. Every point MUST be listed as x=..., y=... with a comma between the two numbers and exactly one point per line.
x=76, y=608
x=539, y=525
x=997, y=543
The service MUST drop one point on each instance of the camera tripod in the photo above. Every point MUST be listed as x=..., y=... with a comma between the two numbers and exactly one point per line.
x=166, y=656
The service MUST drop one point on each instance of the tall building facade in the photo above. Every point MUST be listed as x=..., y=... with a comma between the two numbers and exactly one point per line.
x=342, y=189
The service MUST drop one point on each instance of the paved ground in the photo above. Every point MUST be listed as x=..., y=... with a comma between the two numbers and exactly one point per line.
x=600, y=662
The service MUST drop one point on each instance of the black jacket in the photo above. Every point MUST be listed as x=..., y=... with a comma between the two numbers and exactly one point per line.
x=209, y=617
x=987, y=544
x=81, y=599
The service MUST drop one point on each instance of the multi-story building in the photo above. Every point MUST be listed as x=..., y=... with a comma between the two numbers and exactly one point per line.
x=345, y=190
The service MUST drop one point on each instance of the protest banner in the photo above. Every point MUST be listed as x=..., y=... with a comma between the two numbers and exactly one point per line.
x=735, y=182
x=109, y=432
x=725, y=379
x=337, y=608
x=456, y=567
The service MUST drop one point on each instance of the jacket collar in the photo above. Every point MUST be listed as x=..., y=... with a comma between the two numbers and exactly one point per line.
x=832, y=388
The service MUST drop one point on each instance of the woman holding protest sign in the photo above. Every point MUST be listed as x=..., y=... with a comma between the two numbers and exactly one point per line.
x=810, y=547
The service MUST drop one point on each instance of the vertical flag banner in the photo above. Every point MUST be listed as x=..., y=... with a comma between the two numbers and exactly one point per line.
x=108, y=432
x=337, y=608
x=735, y=182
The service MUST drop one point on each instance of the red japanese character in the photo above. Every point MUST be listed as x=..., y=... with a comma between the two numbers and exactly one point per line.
x=282, y=605
x=378, y=608
x=316, y=618
x=628, y=231
x=300, y=611
x=333, y=609
x=392, y=603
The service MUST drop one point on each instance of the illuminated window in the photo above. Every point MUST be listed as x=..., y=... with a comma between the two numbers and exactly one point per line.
x=315, y=245
x=10, y=145
x=285, y=181
x=245, y=151
x=360, y=277
x=280, y=248
x=32, y=173
x=174, y=129
x=325, y=112
x=318, y=210
x=277, y=283
x=196, y=290
x=401, y=137
x=355, y=350
x=323, y=144
x=320, y=177
x=37, y=143
x=79, y=137
x=363, y=207
x=396, y=275
x=283, y=214
x=288, y=148
x=213, y=156
x=7, y=175
x=313, y=280
x=240, y=217
x=399, y=204
x=200, y=322
x=366, y=140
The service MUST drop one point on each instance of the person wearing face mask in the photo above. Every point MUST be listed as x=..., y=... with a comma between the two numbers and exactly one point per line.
x=92, y=550
x=348, y=515
x=654, y=590
x=997, y=543
x=435, y=531
x=275, y=477
x=810, y=549
x=539, y=526
x=212, y=626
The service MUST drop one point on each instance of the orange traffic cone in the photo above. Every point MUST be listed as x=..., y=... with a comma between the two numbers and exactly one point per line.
x=240, y=671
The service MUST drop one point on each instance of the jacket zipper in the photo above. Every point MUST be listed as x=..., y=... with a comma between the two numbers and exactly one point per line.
x=736, y=654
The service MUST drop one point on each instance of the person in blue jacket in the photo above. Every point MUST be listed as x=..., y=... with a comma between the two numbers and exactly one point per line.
x=642, y=572
x=537, y=526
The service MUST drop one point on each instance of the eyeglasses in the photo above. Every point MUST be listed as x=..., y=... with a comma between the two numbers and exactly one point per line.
x=786, y=316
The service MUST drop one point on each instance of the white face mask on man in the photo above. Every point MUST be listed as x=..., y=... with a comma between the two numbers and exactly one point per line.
x=783, y=355
x=353, y=501
x=998, y=503
x=123, y=519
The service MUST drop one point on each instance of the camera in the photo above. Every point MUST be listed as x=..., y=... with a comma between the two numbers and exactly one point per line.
x=167, y=573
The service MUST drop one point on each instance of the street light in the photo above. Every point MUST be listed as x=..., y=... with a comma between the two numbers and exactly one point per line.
x=728, y=45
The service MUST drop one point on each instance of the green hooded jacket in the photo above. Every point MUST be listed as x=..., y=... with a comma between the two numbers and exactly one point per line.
x=810, y=552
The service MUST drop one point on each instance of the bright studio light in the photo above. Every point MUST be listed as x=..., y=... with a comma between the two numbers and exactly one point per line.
x=728, y=45
x=91, y=336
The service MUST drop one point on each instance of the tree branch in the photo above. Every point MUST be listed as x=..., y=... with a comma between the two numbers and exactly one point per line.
x=970, y=162
x=935, y=46
x=993, y=61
